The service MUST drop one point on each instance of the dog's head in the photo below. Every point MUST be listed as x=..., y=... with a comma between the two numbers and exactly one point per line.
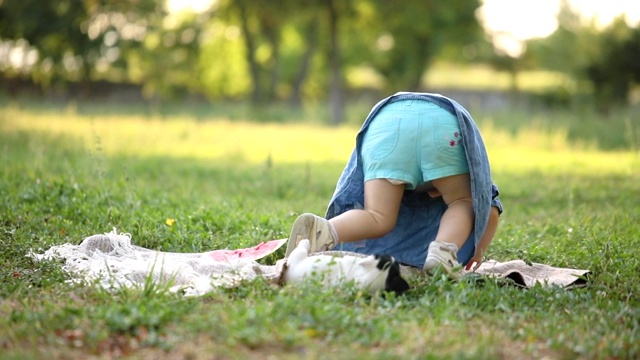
x=394, y=281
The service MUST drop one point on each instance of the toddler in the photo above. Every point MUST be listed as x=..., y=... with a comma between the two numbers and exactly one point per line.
x=417, y=187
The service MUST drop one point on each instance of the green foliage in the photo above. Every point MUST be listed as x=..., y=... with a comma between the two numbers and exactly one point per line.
x=570, y=48
x=615, y=68
x=408, y=37
x=224, y=76
x=601, y=62
x=285, y=50
x=268, y=51
x=164, y=63
x=75, y=40
x=268, y=44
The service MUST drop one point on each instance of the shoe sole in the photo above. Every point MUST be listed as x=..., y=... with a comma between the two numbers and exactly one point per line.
x=300, y=229
x=435, y=261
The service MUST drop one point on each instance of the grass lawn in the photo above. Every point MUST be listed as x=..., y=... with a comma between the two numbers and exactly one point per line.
x=231, y=184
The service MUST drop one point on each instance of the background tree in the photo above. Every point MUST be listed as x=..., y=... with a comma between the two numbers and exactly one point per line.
x=294, y=50
x=84, y=41
x=166, y=63
x=55, y=31
x=335, y=62
x=410, y=36
x=262, y=28
x=602, y=62
x=74, y=39
x=614, y=69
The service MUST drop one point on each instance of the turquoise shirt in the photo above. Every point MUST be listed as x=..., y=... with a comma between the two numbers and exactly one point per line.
x=420, y=214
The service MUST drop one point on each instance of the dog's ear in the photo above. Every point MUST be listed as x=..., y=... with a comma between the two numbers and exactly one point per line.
x=394, y=281
x=396, y=284
x=368, y=262
x=384, y=262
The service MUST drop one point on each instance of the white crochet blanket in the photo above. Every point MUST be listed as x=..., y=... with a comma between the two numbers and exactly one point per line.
x=112, y=261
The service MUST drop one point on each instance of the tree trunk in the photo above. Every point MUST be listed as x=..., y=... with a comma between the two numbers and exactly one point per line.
x=311, y=35
x=272, y=33
x=423, y=58
x=335, y=86
x=254, y=68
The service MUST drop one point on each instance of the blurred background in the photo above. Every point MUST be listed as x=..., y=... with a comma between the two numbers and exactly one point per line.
x=294, y=53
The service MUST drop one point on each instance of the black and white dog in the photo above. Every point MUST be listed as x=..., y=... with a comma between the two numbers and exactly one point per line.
x=372, y=273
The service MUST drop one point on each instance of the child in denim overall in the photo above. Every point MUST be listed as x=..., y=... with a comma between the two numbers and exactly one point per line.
x=418, y=187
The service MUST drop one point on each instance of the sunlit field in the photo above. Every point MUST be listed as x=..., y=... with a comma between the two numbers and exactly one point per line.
x=530, y=147
x=569, y=183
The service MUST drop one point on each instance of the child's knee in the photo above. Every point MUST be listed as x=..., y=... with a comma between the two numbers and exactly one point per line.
x=386, y=228
x=383, y=224
x=460, y=201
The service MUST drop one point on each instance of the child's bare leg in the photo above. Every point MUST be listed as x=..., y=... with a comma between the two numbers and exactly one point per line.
x=487, y=237
x=379, y=216
x=455, y=225
x=381, y=205
x=457, y=222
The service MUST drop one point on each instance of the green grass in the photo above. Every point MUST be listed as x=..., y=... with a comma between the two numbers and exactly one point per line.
x=67, y=174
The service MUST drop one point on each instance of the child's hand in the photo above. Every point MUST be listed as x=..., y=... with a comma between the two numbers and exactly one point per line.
x=473, y=264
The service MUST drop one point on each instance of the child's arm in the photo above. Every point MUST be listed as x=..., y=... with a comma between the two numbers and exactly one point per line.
x=487, y=237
